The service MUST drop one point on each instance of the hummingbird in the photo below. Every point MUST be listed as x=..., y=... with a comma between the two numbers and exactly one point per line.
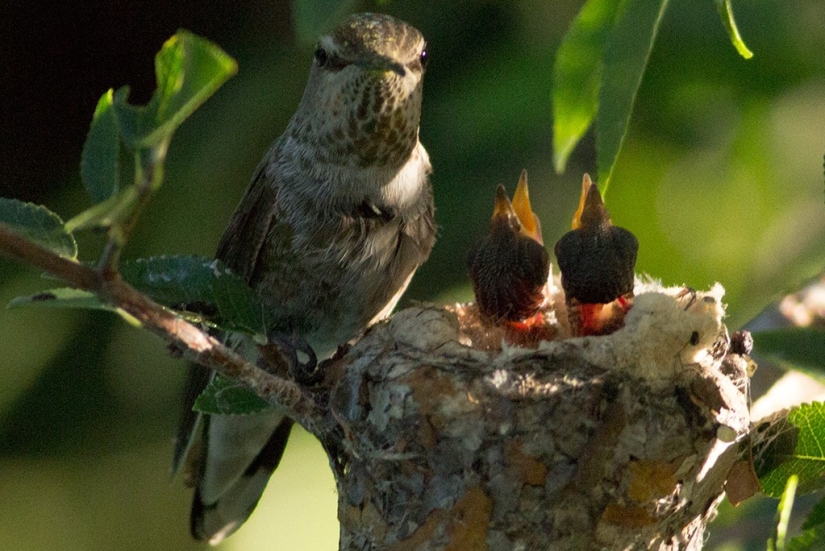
x=510, y=271
x=336, y=219
x=597, y=261
x=509, y=267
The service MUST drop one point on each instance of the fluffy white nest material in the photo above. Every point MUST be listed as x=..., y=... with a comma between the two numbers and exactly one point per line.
x=667, y=330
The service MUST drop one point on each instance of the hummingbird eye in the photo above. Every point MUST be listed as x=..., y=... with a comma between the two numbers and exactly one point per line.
x=321, y=56
x=423, y=59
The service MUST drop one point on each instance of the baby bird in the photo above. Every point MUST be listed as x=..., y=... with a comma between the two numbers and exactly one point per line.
x=509, y=267
x=596, y=260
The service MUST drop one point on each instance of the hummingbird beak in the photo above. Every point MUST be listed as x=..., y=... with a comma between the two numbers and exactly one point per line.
x=591, y=206
x=530, y=225
x=382, y=64
x=503, y=208
x=397, y=68
x=577, y=217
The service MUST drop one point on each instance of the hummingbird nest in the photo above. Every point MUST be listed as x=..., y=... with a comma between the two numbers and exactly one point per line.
x=619, y=441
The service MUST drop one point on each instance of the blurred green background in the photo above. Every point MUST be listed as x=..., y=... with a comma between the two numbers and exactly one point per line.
x=720, y=178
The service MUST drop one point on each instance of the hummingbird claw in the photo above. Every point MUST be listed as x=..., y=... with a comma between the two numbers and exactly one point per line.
x=306, y=371
x=282, y=356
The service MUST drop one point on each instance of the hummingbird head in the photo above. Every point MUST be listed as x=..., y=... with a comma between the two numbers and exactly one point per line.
x=362, y=103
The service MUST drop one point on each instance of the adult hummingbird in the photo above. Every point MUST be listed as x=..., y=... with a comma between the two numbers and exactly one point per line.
x=337, y=218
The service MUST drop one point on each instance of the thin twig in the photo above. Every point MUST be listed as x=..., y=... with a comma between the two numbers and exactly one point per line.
x=203, y=349
x=148, y=177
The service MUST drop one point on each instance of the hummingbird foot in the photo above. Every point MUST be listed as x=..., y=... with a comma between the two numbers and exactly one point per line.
x=291, y=355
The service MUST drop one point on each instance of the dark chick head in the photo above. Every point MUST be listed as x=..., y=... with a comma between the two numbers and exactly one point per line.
x=596, y=259
x=509, y=267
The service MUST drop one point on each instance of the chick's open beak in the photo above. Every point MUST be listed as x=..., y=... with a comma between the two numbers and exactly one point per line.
x=591, y=211
x=530, y=224
x=503, y=208
x=509, y=267
x=597, y=262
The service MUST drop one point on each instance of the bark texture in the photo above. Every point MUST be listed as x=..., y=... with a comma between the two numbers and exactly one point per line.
x=622, y=441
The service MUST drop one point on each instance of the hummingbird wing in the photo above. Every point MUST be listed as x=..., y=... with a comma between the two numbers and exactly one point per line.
x=230, y=458
x=240, y=246
x=238, y=249
x=240, y=453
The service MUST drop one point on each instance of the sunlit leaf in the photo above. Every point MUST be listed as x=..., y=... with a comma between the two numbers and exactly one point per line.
x=625, y=58
x=225, y=397
x=99, y=162
x=799, y=347
x=793, y=444
x=726, y=13
x=38, y=224
x=196, y=283
x=189, y=69
x=577, y=74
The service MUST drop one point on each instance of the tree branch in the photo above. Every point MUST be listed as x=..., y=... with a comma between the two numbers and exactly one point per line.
x=199, y=346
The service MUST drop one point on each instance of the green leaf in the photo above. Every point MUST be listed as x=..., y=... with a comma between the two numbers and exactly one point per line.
x=196, y=283
x=800, y=347
x=625, y=58
x=38, y=224
x=726, y=13
x=100, y=160
x=67, y=297
x=809, y=540
x=135, y=122
x=64, y=297
x=793, y=445
x=107, y=213
x=189, y=69
x=225, y=397
x=577, y=74
x=816, y=517
x=813, y=533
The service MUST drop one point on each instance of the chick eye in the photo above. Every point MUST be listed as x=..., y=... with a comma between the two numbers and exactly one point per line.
x=423, y=59
x=321, y=56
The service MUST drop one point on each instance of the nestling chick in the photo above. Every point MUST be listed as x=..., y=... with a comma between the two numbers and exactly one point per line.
x=509, y=267
x=596, y=260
